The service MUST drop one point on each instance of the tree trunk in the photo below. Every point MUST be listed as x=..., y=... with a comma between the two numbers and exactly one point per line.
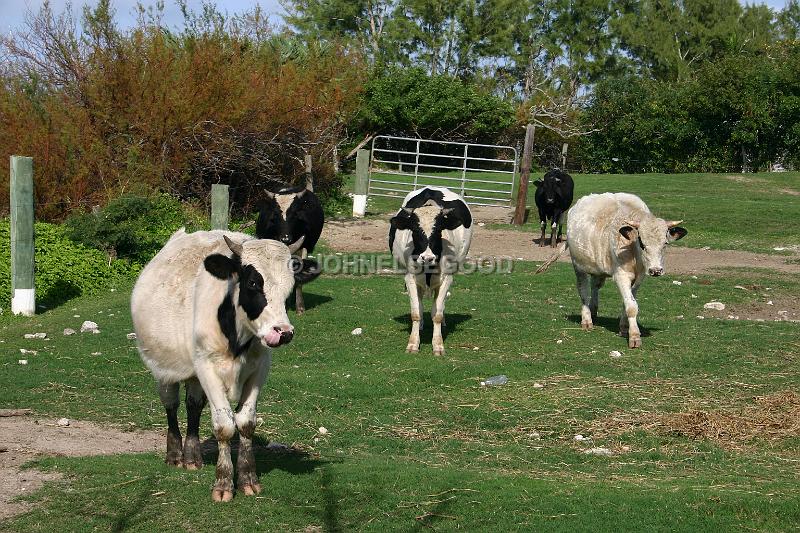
x=524, y=176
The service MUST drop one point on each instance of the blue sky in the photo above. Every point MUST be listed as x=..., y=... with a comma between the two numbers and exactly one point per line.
x=12, y=12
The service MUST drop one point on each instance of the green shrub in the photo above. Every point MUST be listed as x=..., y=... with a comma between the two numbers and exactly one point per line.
x=64, y=269
x=133, y=227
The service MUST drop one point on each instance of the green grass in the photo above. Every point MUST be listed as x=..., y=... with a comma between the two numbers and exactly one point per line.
x=723, y=211
x=415, y=441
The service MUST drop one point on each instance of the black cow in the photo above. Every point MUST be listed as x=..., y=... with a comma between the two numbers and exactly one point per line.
x=292, y=214
x=553, y=198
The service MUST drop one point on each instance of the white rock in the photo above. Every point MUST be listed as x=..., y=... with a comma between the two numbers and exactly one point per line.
x=705, y=248
x=719, y=306
x=700, y=317
x=559, y=341
x=615, y=353
x=538, y=386
x=357, y=331
x=131, y=336
x=779, y=248
x=481, y=224
x=475, y=349
x=676, y=282
x=23, y=351
x=694, y=277
x=76, y=316
x=88, y=325
x=534, y=435
x=783, y=312
x=23, y=361
x=520, y=259
x=63, y=422
x=97, y=353
x=679, y=317
x=605, y=452
x=322, y=430
x=739, y=287
x=69, y=331
x=694, y=296
x=770, y=303
x=35, y=335
x=579, y=438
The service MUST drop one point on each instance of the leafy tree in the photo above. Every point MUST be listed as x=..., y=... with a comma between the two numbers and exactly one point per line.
x=789, y=21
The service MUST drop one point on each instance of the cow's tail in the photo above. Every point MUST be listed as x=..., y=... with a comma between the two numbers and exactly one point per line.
x=559, y=252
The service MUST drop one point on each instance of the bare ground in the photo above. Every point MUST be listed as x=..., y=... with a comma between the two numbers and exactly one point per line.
x=371, y=235
x=23, y=438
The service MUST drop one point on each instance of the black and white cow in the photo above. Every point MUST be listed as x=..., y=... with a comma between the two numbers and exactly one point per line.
x=207, y=310
x=553, y=198
x=430, y=237
x=292, y=215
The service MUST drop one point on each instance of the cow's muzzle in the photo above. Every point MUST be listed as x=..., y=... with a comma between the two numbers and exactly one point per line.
x=655, y=272
x=278, y=336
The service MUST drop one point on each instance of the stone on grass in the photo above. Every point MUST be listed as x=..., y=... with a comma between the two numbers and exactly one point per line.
x=69, y=331
x=23, y=361
x=63, y=422
x=605, y=452
x=538, y=386
x=131, y=336
x=615, y=353
x=322, y=430
x=35, y=335
x=579, y=438
x=357, y=331
x=23, y=351
x=89, y=326
x=718, y=306
x=676, y=282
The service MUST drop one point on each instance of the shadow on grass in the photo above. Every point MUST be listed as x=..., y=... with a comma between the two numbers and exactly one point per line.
x=611, y=324
x=130, y=511
x=310, y=299
x=269, y=456
x=452, y=321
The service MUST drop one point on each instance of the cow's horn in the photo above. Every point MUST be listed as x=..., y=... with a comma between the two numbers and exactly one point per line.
x=301, y=193
x=235, y=247
x=296, y=245
x=271, y=195
x=673, y=223
x=408, y=210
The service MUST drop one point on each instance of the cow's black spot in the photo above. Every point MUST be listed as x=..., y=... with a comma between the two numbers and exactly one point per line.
x=251, y=292
x=221, y=266
x=226, y=316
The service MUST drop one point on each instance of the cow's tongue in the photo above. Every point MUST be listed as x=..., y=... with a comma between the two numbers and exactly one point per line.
x=273, y=338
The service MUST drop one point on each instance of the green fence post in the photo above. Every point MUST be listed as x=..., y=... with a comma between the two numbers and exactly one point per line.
x=219, y=206
x=23, y=292
x=361, y=184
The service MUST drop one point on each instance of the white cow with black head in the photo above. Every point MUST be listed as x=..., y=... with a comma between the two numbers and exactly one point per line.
x=430, y=237
x=207, y=310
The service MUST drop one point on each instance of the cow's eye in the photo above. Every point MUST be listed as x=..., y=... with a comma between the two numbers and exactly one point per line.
x=252, y=284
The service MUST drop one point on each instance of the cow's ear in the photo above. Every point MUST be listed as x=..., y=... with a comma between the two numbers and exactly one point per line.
x=450, y=219
x=305, y=270
x=538, y=183
x=629, y=232
x=401, y=220
x=220, y=266
x=676, y=233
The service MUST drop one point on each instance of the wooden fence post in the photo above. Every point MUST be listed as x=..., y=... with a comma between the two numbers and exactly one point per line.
x=309, y=175
x=23, y=291
x=220, y=206
x=362, y=181
x=524, y=176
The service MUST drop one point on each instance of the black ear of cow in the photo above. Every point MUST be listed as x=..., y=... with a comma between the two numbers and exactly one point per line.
x=305, y=270
x=627, y=232
x=220, y=266
x=538, y=183
x=677, y=233
x=401, y=220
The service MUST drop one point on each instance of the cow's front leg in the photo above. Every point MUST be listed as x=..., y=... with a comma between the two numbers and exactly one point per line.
x=597, y=282
x=168, y=392
x=554, y=228
x=542, y=226
x=195, y=402
x=584, y=291
x=224, y=427
x=246, y=422
x=438, y=314
x=416, y=314
x=630, y=310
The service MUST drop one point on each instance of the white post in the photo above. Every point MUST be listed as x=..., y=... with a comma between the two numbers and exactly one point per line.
x=361, y=184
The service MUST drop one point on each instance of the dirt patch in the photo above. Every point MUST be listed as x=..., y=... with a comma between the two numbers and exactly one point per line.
x=762, y=308
x=23, y=438
x=372, y=235
x=768, y=418
x=790, y=192
x=744, y=179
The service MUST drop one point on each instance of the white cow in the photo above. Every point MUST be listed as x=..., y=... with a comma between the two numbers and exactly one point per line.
x=614, y=235
x=430, y=237
x=207, y=310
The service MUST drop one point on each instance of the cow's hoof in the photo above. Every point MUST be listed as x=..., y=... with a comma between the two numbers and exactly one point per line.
x=587, y=326
x=634, y=342
x=174, y=460
x=221, y=495
x=438, y=350
x=301, y=310
x=195, y=465
x=251, y=489
x=412, y=348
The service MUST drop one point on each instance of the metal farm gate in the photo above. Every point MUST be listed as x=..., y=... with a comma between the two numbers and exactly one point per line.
x=483, y=174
